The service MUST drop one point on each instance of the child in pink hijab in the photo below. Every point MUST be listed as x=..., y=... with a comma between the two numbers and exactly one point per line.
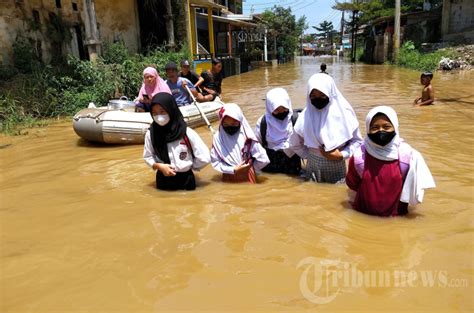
x=152, y=84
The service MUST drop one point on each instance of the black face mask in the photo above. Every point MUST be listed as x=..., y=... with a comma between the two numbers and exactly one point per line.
x=231, y=130
x=319, y=103
x=382, y=138
x=281, y=116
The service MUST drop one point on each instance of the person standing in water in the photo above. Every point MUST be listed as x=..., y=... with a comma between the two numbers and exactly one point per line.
x=236, y=152
x=427, y=95
x=210, y=81
x=152, y=84
x=323, y=68
x=273, y=131
x=327, y=131
x=171, y=148
x=386, y=173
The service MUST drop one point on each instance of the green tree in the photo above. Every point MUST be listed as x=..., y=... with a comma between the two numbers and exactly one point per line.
x=355, y=8
x=365, y=11
x=324, y=29
x=284, y=27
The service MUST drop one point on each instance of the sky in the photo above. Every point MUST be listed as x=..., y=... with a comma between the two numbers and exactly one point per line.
x=315, y=11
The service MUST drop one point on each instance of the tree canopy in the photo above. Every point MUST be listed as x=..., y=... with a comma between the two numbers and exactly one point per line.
x=282, y=24
x=324, y=28
x=368, y=10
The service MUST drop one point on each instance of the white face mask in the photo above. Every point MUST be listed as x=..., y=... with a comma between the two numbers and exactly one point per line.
x=161, y=120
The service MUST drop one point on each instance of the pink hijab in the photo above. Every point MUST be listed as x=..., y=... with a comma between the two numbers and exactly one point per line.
x=160, y=85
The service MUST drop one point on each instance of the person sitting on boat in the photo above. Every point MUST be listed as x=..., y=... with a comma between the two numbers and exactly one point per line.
x=186, y=72
x=171, y=148
x=236, y=152
x=178, y=85
x=211, y=81
x=152, y=84
x=274, y=130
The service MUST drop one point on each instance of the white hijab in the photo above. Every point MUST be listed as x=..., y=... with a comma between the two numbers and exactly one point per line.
x=278, y=132
x=388, y=152
x=330, y=127
x=418, y=177
x=229, y=148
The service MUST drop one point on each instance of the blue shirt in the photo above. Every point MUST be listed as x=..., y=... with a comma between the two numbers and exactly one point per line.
x=179, y=92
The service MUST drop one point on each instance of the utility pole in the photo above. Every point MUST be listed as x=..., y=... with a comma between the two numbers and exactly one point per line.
x=169, y=24
x=92, y=33
x=353, y=40
x=265, y=52
x=396, y=34
x=342, y=26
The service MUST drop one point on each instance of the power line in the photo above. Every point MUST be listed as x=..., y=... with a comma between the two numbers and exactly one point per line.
x=297, y=2
x=305, y=6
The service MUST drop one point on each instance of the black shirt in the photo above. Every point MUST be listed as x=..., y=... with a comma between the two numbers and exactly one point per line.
x=212, y=81
x=191, y=76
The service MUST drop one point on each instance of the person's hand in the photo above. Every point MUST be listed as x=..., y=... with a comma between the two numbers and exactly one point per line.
x=334, y=155
x=165, y=169
x=416, y=101
x=184, y=84
x=242, y=168
x=209, y=91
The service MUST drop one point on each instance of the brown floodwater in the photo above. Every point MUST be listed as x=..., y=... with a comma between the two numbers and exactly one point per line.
x=84, y=230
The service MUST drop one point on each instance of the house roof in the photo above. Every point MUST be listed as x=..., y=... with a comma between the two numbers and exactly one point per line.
x=206, y=4
x=231, y=21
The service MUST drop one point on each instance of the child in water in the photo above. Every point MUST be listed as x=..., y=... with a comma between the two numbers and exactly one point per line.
x=323, y=68
x=326, y=132
x=427, y=95
x=236, y=152
x=386, y=173
x=171, y=148
x=274, y=130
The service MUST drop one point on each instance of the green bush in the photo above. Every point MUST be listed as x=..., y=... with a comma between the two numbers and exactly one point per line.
x=24, y=58
x=47, y=91
x=411, y=58
x=115, y=53
x=7, y=72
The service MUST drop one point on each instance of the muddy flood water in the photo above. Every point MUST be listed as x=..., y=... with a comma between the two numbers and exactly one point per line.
x=83, y=228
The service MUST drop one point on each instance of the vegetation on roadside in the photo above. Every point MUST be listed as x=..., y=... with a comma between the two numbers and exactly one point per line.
x=410, y=57
x=31, y=91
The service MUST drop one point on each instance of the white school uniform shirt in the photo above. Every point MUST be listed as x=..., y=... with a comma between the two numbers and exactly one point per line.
x=257, y=151
x=226, y=152
x=333, y=127
x=179, y=153
x=288, y=151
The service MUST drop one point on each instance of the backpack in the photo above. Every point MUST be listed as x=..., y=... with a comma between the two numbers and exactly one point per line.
x=263, y=126
x=404, y=156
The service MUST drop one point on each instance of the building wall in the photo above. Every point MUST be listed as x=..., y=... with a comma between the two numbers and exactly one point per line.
x=458, y=20
x=116, y=20
x=17, y=19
